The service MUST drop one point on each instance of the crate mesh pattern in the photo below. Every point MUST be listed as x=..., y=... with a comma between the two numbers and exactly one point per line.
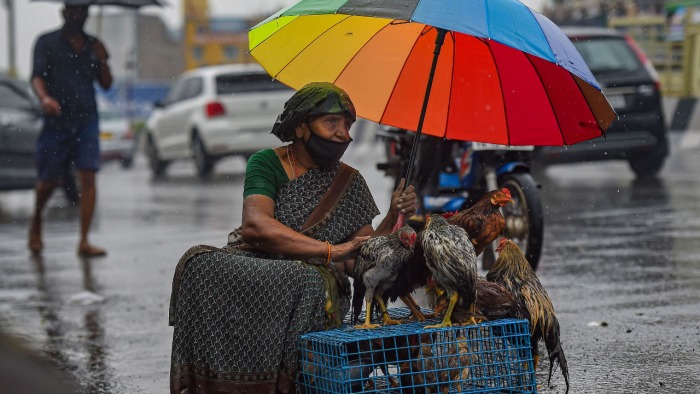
x=493, y=356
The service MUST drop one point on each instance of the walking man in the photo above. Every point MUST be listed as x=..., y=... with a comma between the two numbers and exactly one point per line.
x=66, y=64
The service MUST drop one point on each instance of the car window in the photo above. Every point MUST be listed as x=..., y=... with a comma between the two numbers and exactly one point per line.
x=185, y=89
x=192, y=88
x=11, y=98
x=607, y=54
x=232, y=83
x=174, y=92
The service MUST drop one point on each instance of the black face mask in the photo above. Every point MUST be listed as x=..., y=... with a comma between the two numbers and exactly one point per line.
x=326, y=153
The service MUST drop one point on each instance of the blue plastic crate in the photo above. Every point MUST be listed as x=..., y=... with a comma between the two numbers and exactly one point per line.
x=493, y=356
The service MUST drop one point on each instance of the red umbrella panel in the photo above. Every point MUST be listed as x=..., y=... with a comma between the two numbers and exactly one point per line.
x=482, y=91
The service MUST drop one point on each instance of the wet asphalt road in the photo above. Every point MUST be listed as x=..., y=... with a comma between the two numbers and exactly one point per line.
x=621, y=262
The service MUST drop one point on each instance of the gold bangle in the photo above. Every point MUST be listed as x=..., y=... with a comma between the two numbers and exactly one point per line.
x=328, y=259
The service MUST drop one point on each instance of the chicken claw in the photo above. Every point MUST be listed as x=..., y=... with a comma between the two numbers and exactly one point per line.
x=368, y=315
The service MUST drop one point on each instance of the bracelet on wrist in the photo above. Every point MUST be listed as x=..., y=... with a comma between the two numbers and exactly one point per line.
x=328, y=257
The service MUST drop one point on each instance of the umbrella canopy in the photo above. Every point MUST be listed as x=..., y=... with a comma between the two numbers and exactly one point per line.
x=505, y=74
x=121, y=3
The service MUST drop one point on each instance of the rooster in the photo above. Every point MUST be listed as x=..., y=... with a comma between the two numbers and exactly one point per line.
x=376, y=269
x=451, y=258
x=513, y=271
x=483, y=220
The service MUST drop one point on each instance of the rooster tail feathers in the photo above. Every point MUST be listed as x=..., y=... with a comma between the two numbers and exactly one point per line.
x=557, y=354
x=358, y=297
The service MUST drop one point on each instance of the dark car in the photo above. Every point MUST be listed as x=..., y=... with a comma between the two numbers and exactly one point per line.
x=631, y=86
x=20, y=124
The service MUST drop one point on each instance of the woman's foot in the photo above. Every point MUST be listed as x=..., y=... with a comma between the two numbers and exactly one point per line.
x=87, y=250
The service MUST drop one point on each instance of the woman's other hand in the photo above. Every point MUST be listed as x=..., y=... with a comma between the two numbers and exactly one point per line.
x=403, y=201
x=348, y=250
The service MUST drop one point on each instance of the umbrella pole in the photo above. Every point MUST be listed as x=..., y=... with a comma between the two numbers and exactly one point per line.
x=439, y=40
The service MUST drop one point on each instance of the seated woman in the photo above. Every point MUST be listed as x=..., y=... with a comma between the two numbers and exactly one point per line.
x=238, y=311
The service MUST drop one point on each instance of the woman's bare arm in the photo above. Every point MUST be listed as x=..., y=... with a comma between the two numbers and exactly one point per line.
x=263, y=231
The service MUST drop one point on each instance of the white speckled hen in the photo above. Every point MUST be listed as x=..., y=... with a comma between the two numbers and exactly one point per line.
x=450, y=256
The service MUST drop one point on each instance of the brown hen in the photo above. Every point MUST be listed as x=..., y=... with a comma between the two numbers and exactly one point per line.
x=513, y=271
x=483, y=220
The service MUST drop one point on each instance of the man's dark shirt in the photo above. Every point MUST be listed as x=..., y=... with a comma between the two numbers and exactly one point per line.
x=69, y=76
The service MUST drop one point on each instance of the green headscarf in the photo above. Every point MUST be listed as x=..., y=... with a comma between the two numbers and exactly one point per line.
x=315, y=98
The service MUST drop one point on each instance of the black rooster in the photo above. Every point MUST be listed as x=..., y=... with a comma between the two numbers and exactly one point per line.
x=376, y=269
x=513, y=271
x=451, y=258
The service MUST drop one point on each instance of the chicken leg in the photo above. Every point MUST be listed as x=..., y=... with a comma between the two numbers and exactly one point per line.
x=471, y=320
x=415, y=309
x=386, y=320
x=368, y=317
x=446, y=322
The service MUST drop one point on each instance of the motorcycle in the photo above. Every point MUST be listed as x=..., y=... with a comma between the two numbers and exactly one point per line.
x=468, y=170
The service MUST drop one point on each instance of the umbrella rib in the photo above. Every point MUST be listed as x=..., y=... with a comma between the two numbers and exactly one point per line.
x=503, y=97
x=449, y=97
x=549, y=99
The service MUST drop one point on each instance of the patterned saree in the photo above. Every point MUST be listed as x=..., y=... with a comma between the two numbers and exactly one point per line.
x=238, y=313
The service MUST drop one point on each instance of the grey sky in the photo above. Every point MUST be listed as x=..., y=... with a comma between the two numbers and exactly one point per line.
x=33, y=18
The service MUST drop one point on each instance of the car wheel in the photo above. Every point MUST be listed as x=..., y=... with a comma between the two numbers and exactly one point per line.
x=524, y=217
x=157, y=165
x=203, y=161
x=647, y=166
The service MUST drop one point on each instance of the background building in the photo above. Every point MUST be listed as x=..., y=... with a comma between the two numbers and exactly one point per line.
x=145, y=57
x=668, y=32
x=209, y=41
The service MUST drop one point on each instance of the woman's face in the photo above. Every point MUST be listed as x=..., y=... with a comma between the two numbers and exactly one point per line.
x=334, y=127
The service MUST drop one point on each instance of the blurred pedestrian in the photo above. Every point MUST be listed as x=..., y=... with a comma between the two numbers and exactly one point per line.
x=66, y=64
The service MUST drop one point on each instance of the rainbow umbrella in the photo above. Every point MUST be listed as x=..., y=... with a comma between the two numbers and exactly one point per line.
x=490, y=71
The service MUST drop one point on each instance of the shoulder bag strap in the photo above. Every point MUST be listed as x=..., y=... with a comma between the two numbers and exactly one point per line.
x=329, y=201
x=325, y=207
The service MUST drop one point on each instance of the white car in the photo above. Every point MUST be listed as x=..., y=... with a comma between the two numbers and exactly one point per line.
x=117, y=137
x=213, y=112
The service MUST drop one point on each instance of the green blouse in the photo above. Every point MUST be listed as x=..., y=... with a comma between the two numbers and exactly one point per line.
x=264, y=174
